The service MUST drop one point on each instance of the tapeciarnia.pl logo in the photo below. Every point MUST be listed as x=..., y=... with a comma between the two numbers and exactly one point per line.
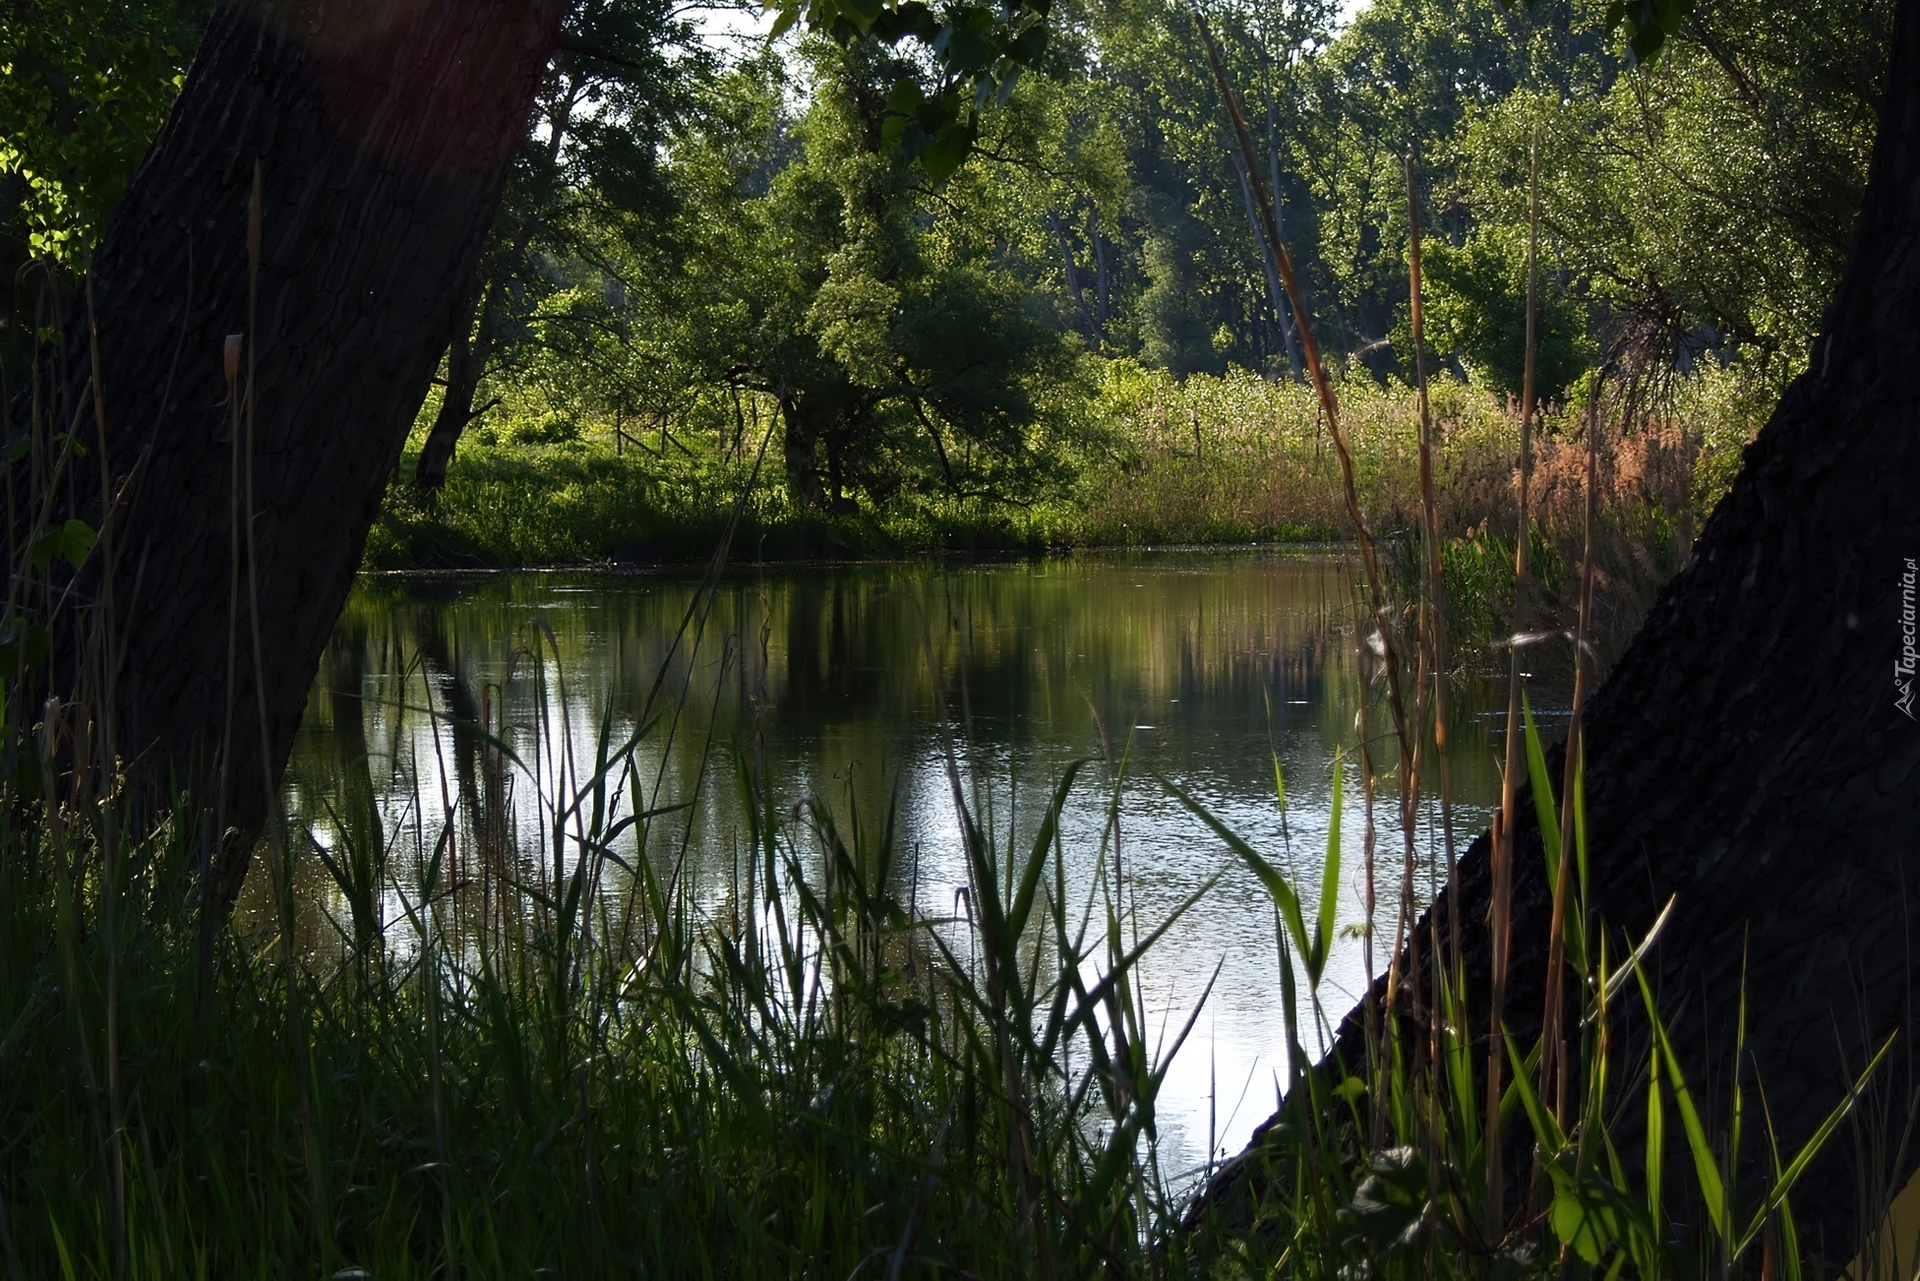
x=1903, y=666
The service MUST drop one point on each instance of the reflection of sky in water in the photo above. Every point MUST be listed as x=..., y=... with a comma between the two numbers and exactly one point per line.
x=1199, y=666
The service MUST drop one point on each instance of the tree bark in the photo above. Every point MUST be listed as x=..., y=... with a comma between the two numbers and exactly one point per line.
x=382, y=133
x=1750, y=755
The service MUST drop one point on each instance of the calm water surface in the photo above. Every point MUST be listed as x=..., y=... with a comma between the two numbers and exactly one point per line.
x=1201, y=666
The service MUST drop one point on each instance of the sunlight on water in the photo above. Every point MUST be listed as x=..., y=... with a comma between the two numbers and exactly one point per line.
x=1200, y=666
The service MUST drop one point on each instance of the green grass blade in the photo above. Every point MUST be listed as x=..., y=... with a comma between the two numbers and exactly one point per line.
x=1282, y=893
x=1811, y=1149
x=1543, y=801
x=1037, y=858
x=1329, y=886
x=1706, y=1165
x=1545, y=1129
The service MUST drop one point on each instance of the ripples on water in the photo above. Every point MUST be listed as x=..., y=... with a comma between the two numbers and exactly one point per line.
x=1200, y=666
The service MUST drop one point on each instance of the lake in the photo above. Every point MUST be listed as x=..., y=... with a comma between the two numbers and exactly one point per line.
x=848, y=682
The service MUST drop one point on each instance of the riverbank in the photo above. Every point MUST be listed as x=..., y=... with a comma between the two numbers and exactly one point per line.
x=1144, y=460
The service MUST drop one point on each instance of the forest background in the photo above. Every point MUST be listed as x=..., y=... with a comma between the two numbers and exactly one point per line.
x=715, y=260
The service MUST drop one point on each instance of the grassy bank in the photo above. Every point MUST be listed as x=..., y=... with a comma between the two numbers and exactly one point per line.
x=1144, y=460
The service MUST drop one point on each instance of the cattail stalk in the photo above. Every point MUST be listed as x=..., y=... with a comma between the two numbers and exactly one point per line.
x=1329, y=406
x=1373, y=1018
x=1433, y=667
x=1436, y=611
x=1553, y=1059
x=1506, y=832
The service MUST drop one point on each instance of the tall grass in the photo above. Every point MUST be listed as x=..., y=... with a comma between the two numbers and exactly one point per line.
x=555, y=1057
x=548, y=1053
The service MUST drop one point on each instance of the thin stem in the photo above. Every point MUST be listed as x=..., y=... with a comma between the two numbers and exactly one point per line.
x=1553, y=1058
x=1436, y=611
x=1507, y=833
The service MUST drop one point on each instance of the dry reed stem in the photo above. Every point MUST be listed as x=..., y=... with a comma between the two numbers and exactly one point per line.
x=1330, y=407
x=116, y=1109
x=1433, y=665
x=1507, y=832
x=1374, y=1017
x=1435, y=614
x=1553, y=1083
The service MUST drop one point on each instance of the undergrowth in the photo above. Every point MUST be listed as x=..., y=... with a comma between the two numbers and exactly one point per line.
x=1151, y=462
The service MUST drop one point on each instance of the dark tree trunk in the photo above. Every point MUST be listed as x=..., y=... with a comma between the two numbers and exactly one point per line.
x=1276, y=296
x=467, y=357
x=800, y=444
x=1751, y=755
x=382, y=134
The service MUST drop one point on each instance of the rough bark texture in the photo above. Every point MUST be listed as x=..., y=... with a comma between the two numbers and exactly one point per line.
x=383, y=129
x=1749, y=753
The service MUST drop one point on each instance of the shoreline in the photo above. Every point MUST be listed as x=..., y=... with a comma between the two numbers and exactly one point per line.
x=681, y=566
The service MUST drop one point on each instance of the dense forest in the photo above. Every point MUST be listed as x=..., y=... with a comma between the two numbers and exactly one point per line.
x=704, y=231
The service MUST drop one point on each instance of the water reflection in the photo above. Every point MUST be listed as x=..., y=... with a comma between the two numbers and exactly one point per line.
x=845, y=684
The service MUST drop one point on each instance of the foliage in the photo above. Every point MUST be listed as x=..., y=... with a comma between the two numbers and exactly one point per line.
x=885, y=325
x=84, y=89
x=1477, y=310
x=84, y=86
x=1143, y=459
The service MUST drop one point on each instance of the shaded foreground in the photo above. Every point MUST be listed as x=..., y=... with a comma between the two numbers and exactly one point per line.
x=510, y=1057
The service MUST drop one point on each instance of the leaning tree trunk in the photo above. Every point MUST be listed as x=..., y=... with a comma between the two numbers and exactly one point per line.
x=1751, y=754
x=1755, y=753
x=381, y=133
x=467, y=357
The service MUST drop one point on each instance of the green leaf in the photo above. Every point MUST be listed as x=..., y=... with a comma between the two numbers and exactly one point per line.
x=1784, y=1182
x=905, y=98
x=943, y=155
x=1543, y=801
x=1277, y=888
x=77, y=540
x=70, y=542
x=1029, y=45
x=1656, y=1140
x=1329, y=881
x=1582, y=1223
x=1545, y=1129
x=1037, y=859
x=863, y=12
x=1706, y=1166
x=1388, y=1208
